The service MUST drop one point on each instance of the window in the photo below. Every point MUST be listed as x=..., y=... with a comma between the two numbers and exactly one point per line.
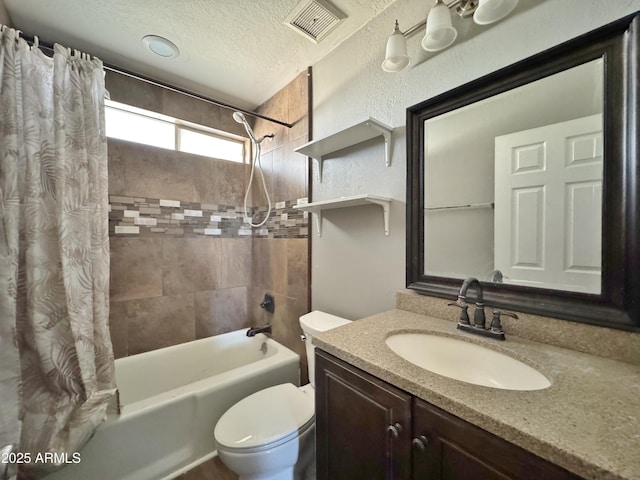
x=193, y=141
x=142, y=126
x=127, y=125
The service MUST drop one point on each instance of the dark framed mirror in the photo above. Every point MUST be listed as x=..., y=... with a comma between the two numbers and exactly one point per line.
x=528, y=179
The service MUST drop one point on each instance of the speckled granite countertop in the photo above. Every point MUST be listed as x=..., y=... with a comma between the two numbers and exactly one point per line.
x=587, y=421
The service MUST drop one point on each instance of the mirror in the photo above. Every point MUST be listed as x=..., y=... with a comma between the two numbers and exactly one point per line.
x=527, y=180
x=532, y=193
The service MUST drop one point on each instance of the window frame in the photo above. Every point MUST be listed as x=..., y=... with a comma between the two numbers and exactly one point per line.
x=178, y=126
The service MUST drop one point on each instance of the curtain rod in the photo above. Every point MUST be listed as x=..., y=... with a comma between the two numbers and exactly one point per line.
x=48, y=46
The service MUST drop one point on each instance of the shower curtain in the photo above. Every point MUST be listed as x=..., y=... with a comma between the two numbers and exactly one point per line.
x=56, y=359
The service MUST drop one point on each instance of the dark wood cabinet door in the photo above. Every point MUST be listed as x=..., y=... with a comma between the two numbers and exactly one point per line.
x=457, y=450
x=363, y=425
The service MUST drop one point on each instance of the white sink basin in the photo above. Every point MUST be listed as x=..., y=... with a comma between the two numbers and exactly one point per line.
x=466, y=362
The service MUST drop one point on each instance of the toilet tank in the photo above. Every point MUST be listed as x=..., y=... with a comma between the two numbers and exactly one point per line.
x=311, y=324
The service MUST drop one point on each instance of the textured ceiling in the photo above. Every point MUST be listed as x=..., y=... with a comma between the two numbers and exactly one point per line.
x=237, y=51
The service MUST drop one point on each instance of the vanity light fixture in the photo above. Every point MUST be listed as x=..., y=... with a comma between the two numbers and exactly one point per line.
x=440, y=33
x=396, y=58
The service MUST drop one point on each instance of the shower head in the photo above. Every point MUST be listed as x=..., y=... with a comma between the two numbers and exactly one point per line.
x=240, y=118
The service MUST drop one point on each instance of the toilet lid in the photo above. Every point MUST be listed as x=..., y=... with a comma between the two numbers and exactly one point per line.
x=268, y=416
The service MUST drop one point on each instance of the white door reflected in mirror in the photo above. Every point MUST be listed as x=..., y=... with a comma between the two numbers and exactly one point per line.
x=548, y=205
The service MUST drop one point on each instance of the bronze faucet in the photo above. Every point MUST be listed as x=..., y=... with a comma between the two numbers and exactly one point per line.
x=479, y=319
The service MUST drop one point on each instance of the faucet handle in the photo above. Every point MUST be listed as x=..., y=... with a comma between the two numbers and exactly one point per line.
x=496, y=326
x=462, y=305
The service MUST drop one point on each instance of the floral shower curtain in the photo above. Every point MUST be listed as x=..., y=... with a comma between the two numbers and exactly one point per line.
x=56, y=359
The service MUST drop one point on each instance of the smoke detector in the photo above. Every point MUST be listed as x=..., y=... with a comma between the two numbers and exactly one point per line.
x=314, y=19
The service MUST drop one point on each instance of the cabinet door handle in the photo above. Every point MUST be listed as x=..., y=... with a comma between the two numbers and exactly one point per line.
x=394, y=430
x=420, y=442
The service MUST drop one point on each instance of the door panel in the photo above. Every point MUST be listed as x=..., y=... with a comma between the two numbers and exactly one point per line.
x=548, y=205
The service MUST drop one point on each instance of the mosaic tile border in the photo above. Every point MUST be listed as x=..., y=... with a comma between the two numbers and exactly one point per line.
x=149, y=217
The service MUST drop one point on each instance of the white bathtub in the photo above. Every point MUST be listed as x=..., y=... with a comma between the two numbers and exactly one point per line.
x=172, y=399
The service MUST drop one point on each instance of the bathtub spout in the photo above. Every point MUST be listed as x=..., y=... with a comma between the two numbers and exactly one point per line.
x=254, y=330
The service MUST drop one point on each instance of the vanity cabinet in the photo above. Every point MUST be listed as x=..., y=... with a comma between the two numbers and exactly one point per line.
x=362, y=425
x=456, y=449
x=368, y=429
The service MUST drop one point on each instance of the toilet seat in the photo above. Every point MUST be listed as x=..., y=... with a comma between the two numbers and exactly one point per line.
x=265, y=419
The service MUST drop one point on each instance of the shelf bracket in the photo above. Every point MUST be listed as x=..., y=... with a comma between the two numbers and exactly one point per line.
x=385, y=204
x=318, y=216
x=319, y=164
x=386, y=133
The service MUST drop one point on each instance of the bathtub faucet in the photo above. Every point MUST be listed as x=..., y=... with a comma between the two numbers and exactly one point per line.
x=254, y=330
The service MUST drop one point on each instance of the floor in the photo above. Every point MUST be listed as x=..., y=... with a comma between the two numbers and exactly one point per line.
x=213, y=469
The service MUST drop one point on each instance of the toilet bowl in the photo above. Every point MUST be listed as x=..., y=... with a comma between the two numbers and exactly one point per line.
x=270, y=435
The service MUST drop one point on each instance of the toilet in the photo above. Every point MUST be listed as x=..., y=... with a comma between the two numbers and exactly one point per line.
x=270, y=435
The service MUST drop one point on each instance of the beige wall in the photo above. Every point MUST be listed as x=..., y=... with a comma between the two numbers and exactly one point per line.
x=170, y=283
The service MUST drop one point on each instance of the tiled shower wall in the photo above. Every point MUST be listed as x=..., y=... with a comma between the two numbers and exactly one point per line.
x=281, y=266
x=183, y=263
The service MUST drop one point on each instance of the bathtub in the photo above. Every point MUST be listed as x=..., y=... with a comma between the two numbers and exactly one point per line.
x=171, y=400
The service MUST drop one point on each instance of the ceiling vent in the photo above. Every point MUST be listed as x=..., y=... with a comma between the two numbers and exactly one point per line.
x=314, y=19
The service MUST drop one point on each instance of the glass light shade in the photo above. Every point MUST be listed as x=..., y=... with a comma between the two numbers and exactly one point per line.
x=490, y=11
x=161, y=46
x=396, y=58
x=440, y=33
